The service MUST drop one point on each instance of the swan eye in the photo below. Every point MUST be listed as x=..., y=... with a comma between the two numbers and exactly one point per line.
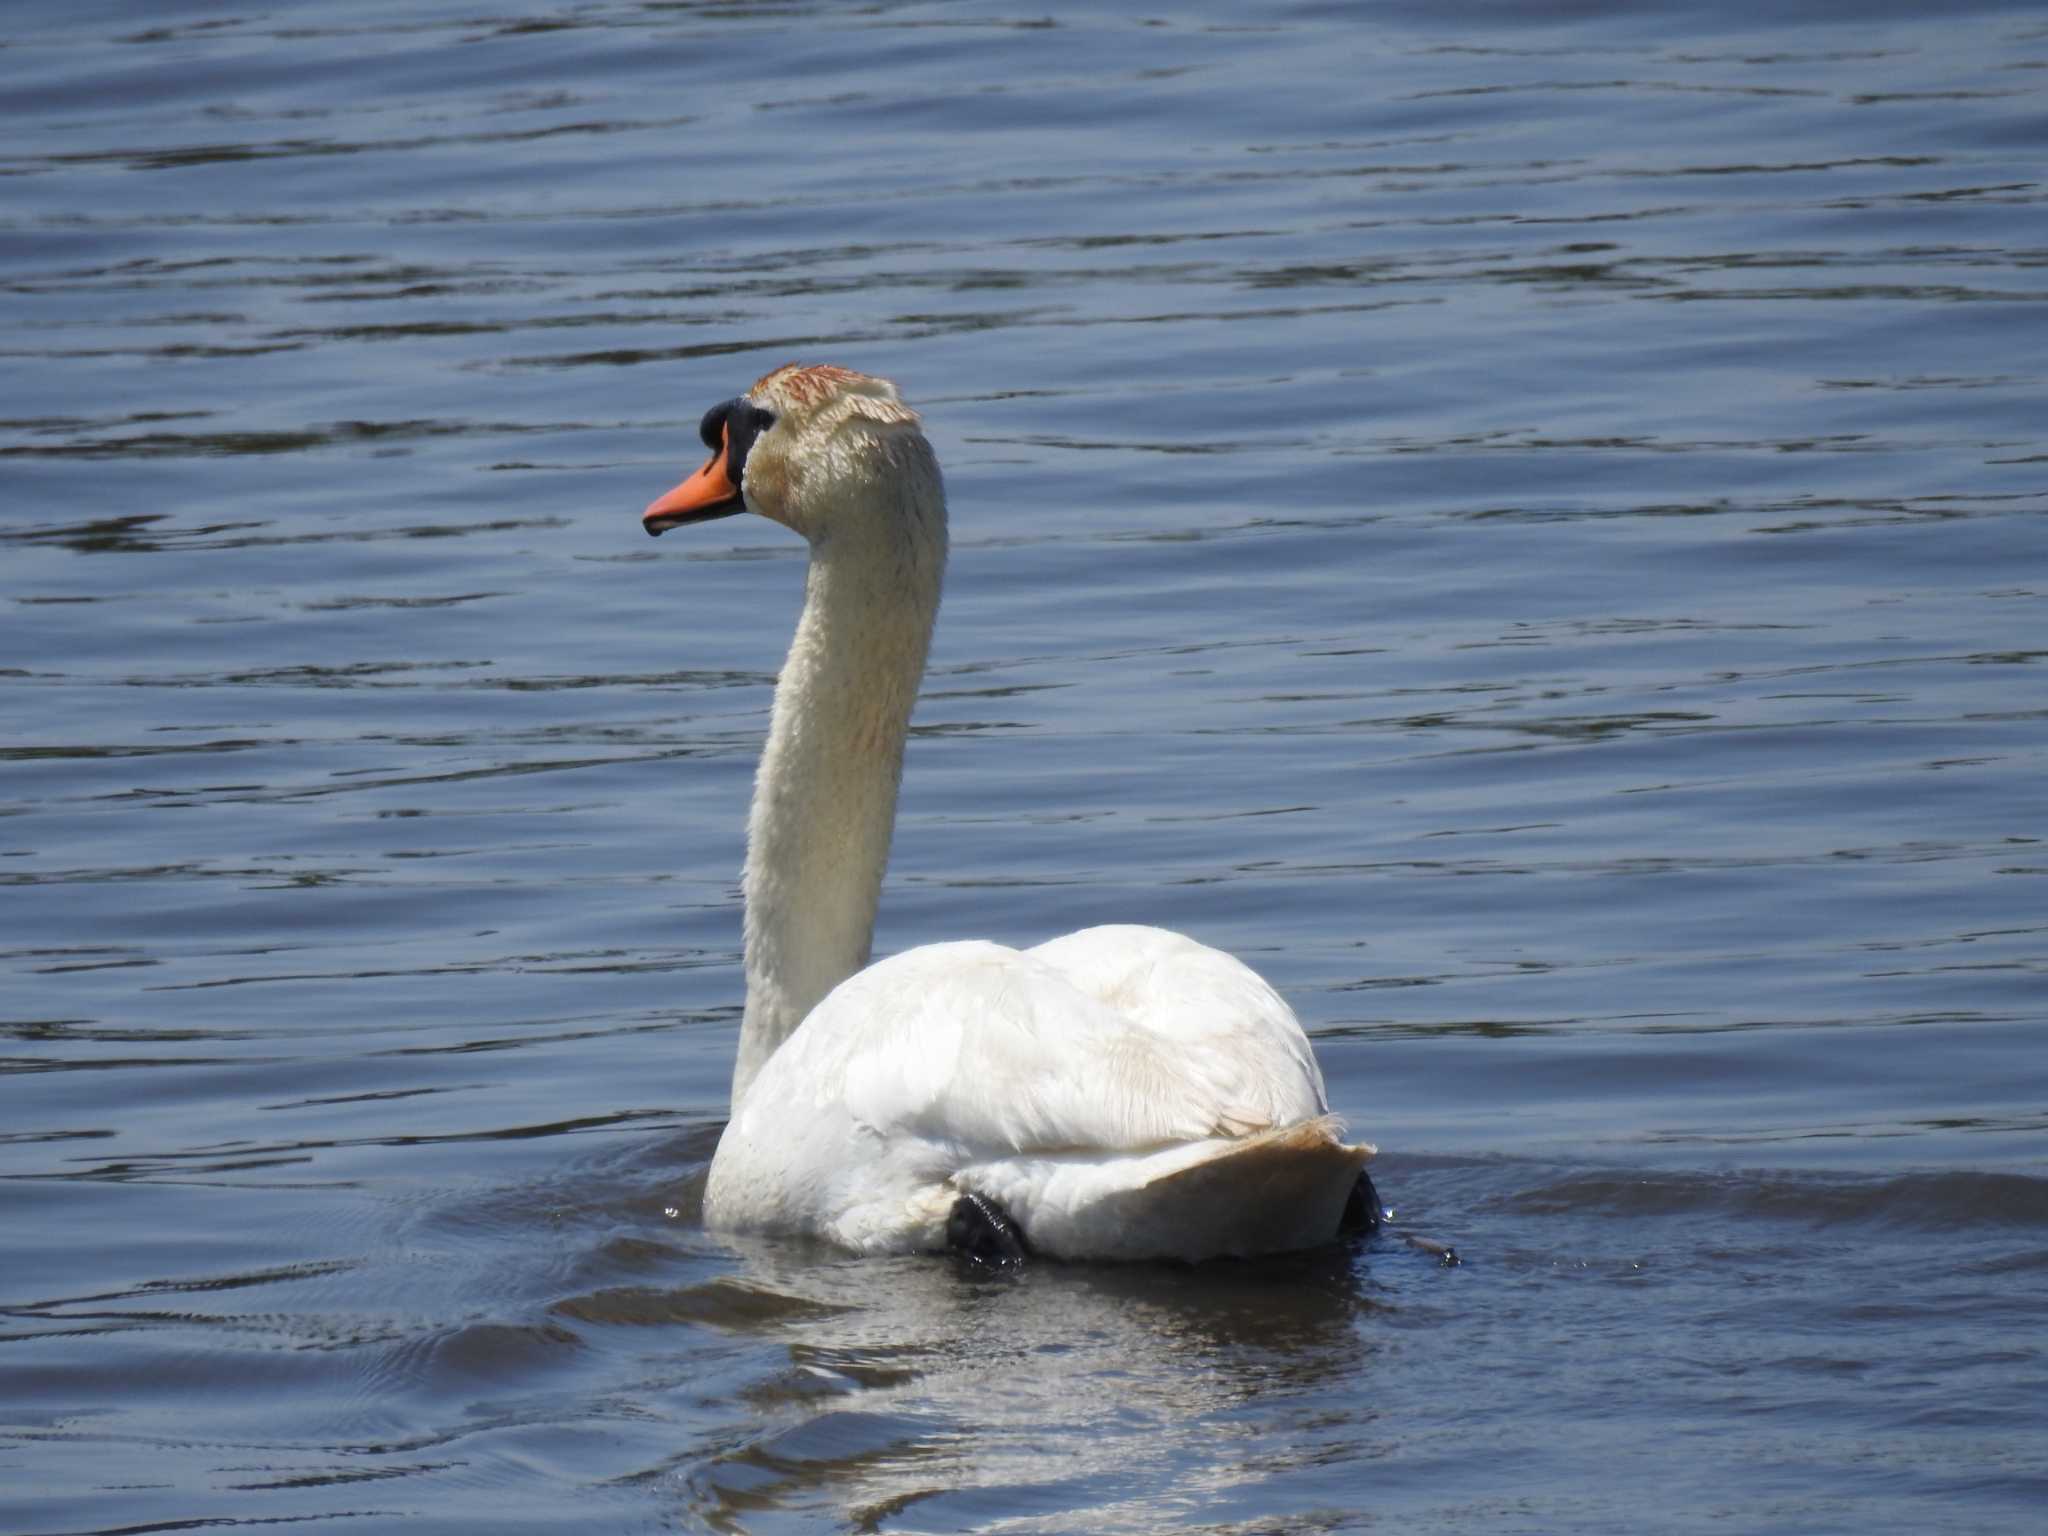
x=743, y=421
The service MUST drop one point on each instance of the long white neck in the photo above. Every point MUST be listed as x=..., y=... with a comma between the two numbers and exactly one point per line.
x=825, y=794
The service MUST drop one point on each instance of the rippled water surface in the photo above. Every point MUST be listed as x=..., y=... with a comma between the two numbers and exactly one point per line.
x=1528, y=526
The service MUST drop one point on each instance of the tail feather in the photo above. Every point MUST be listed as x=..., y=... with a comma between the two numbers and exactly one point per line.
x=1275, y=1192
x=1282, y=1190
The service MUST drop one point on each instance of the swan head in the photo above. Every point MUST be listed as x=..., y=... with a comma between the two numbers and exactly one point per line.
x=832, y=454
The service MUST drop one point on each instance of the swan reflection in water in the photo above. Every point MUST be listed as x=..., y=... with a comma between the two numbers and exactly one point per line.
x=863, y=1385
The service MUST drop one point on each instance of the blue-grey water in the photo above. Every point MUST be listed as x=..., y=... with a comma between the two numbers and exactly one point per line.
x=1528, y=523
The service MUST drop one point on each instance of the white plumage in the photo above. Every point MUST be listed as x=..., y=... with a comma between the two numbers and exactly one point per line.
x=1121, y=1092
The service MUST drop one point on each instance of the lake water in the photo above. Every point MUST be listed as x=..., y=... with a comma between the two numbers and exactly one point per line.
x=1529, y=524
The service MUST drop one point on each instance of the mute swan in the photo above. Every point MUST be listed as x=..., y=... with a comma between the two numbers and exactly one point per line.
x=1119, y=1093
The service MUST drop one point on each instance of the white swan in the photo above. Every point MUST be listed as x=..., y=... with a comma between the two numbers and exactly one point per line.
x=1121, y=1092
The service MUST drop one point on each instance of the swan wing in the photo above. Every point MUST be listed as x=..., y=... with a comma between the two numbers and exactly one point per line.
x=1067, y=1048
x=1206, y=1002
x=999, y=1051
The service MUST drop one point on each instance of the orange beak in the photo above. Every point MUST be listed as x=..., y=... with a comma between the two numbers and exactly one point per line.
x=707, y=494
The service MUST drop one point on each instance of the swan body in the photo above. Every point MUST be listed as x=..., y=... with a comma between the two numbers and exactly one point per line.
x=1121, y=1093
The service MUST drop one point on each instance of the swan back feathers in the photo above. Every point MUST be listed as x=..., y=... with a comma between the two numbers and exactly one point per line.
x=975, y=1045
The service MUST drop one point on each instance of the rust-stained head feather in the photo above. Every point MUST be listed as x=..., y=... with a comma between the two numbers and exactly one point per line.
x=825, y=391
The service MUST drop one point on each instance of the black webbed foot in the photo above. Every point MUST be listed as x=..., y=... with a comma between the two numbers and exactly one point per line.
x=982, y=1232
x=1364, y=1216
x=1363, y=1212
